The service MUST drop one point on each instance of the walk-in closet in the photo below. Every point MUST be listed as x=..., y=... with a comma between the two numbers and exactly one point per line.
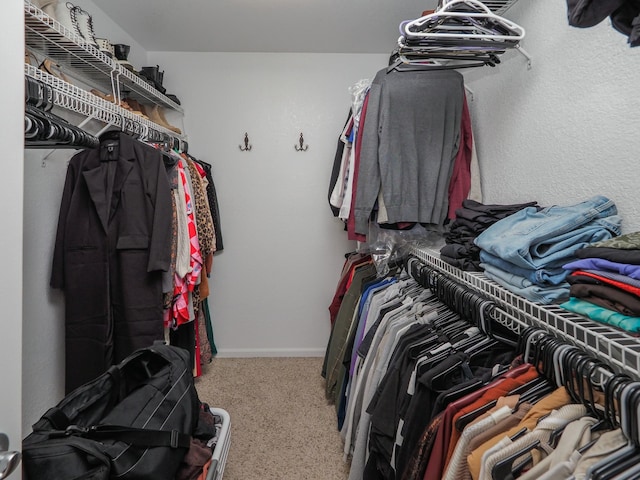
x=370, y=231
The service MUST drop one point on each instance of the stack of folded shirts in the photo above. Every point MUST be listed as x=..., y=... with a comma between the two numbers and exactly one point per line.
x=525, y=251
x=471, y=220
x=605, y=282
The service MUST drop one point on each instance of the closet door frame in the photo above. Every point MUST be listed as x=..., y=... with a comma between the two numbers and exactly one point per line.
x=11, y=197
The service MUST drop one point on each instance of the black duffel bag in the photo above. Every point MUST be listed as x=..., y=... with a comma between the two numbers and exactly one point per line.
x=133, y=422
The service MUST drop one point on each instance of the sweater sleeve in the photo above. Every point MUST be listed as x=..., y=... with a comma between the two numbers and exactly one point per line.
x=57, y=271
x=161, y=229
x=369, y=171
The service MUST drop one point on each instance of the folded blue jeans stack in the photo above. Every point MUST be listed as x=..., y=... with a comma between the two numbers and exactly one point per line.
x=524, y=252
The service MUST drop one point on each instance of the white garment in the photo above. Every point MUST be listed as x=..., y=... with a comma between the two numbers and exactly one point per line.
x=457, y=464
x=574, y=436
x=183, y=241
x=337, y=194
x=556, y=419
x=505, y=442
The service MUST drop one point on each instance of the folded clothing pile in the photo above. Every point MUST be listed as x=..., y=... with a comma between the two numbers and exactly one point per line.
x=525, y=252
x=605, y=282
x=471, y=220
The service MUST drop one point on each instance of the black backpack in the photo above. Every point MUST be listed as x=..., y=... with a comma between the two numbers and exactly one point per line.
x=133, y=422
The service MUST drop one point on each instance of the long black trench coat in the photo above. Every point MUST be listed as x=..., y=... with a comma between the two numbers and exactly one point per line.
x=112, y=244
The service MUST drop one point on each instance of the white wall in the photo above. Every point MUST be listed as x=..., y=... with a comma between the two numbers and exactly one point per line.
x=11, y=134
x=107, y=28
x=43, y=307
x=283, y=252
x=568, y=128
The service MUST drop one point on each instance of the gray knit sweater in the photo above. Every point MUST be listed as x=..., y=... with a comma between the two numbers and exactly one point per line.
x=410, y=141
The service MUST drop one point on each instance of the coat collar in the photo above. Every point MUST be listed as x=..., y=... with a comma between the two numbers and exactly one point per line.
x=98, y=176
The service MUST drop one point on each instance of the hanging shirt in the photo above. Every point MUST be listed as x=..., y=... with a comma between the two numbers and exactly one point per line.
x=185, y=285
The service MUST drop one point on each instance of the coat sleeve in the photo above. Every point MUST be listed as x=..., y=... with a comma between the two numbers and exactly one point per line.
x=160, y=243
x=57, y=270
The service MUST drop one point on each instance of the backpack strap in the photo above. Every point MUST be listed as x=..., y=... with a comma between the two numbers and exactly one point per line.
x=138, y=437
x=57, y=418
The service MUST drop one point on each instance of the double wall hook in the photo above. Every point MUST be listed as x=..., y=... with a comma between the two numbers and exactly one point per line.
x=302, y=147
x=247, y=147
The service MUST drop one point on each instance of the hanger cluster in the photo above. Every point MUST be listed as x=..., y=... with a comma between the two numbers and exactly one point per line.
x=459, y=34
x=45, y=129
x=467, y=303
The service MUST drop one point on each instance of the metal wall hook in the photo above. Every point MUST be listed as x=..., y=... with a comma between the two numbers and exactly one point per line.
x=302, y=147
x=247, y=147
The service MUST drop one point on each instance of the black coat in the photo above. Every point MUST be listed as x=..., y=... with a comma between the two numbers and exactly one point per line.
x=113, y=242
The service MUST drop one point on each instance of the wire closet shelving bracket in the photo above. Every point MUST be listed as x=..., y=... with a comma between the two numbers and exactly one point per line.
x=616, y=348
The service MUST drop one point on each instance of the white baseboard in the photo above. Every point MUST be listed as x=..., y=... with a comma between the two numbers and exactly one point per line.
x=269, y=352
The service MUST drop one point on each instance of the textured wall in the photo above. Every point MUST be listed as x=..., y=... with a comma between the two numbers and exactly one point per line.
x=568, y=128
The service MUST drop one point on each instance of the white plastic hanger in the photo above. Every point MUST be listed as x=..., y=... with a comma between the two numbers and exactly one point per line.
x=454, y=20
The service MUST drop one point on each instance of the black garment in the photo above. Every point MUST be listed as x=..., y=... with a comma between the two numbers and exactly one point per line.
x=495, y=210
x=624, y=14
x=626, y=20
x=466, y=264
x=605, y=296
x=455, y=250
x=619, y=255
x=455, y=372
x=112, y=244
x=588, y=13
x=213, y=203
x=185, y=337
x=471, y=220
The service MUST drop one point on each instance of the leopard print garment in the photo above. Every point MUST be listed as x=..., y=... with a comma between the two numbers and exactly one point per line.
x=204, y=223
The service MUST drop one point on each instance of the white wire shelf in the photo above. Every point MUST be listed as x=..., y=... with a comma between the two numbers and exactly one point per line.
x=75, y=99
x=616, y=348
x=46, y=35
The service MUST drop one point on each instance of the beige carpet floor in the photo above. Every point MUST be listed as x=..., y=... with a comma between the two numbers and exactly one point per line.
x=281, y=425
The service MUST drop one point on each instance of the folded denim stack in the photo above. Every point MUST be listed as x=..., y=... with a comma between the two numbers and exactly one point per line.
x=525, y=251
x=471, y=220
x=605, y=282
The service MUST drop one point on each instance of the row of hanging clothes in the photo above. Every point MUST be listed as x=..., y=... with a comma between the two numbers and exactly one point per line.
x=406, y=154
x=428, y=385
x=137, y=230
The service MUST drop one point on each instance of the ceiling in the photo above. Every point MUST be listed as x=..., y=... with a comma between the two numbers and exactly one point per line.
x=313, y=26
